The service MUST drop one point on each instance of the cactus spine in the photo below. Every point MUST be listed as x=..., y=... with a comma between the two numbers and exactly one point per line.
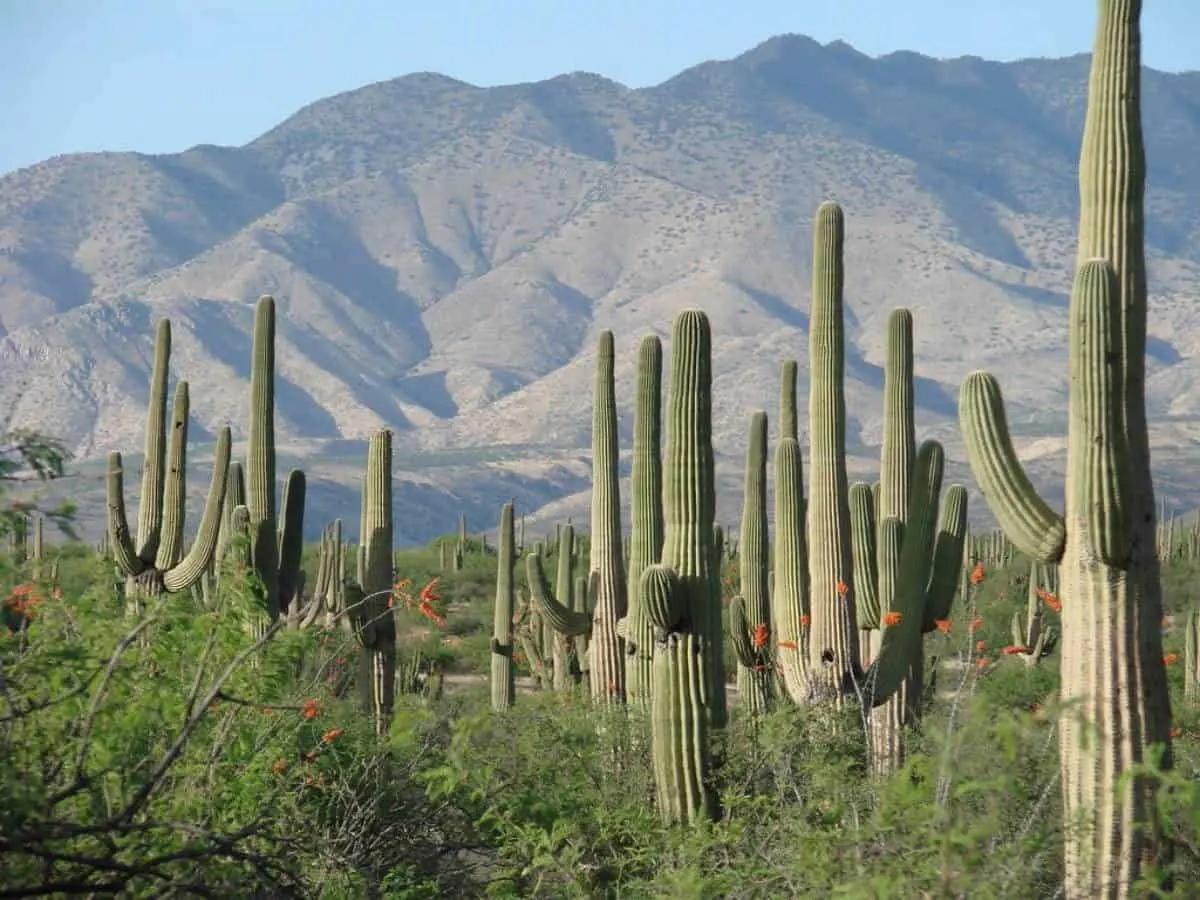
x=646, y=538
x=678, y=594
x=503, y=678
x=607, y=662
x=833, y=648
x=750, y=612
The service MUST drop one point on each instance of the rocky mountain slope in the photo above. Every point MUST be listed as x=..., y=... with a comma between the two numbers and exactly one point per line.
x=444, y=256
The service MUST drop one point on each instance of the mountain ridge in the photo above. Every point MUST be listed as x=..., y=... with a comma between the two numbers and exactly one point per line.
x=444, y=256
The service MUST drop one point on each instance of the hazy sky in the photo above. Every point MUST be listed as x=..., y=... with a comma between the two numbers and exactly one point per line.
x=163, y=75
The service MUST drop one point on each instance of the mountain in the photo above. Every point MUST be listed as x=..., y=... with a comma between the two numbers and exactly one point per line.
x=444, y=256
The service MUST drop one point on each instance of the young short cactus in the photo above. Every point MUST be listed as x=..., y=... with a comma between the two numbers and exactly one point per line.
x=1033, y=639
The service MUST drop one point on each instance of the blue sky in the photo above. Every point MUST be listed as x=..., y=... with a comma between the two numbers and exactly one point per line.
x=163, y=75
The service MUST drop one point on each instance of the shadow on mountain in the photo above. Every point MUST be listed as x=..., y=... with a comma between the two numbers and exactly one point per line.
x=228, y=343
x=775, y=306
x=428, y=391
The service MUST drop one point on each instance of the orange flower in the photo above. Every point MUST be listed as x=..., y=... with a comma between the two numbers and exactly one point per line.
x=892, y=618
x=788, y=645
x=981, y=663
x=1176, y=732
x=311, y=709
x=842, y=589
x=1170, y=658
x=427, y=599
x=310, y=756
x=332, y=735
x=1013, y=650
x=980, y=646
x=975, y=624
x=977, y=574
x=805, y=620
x=761, y=633
x=943, y=625
x=280, y=766
x=267, y=711
x=1049, y=599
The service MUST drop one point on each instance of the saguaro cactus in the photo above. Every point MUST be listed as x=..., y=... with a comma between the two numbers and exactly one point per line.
x=679, y=594
x=265, y=538
x=153, y=564
x=646, y=512
x=606, y=646
x=503, y=678
x=1113, y=675
x=371, y=596
x=833, y=640
x=750, y=612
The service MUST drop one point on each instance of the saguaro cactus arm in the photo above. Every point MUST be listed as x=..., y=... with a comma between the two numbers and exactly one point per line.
x=565, y=621
x=1023, y=515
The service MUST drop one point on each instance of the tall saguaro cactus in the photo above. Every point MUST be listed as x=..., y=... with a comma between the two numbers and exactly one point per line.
x=605, y=645
x=646, y=512
x=678, y=594
x=833, y=647
x=1113, y=675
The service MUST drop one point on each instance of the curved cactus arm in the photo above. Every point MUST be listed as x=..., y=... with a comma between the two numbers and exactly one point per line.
x=174, y=498
x=1025, y=517
x=119, y=539
x=565, y=621
x=901, y=638
x=666, y=603
x=864, y=549
x=1102, y=475
x=751, y=653
x=189, y=569
x=947, y=557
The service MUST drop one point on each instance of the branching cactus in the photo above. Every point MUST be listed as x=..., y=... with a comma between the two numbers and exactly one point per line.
x=1102, y=643
x=878, y=516
x=369, y=600
x=750, y=612
x=678, y=594
x=558, y=647
x=265, y=539
x=646, y=537
x=153, y=564
x=1033, y=639
x=929, y=549
x=607, y=674
x=833, y=639
x=503, y=679
x=1116, y=703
